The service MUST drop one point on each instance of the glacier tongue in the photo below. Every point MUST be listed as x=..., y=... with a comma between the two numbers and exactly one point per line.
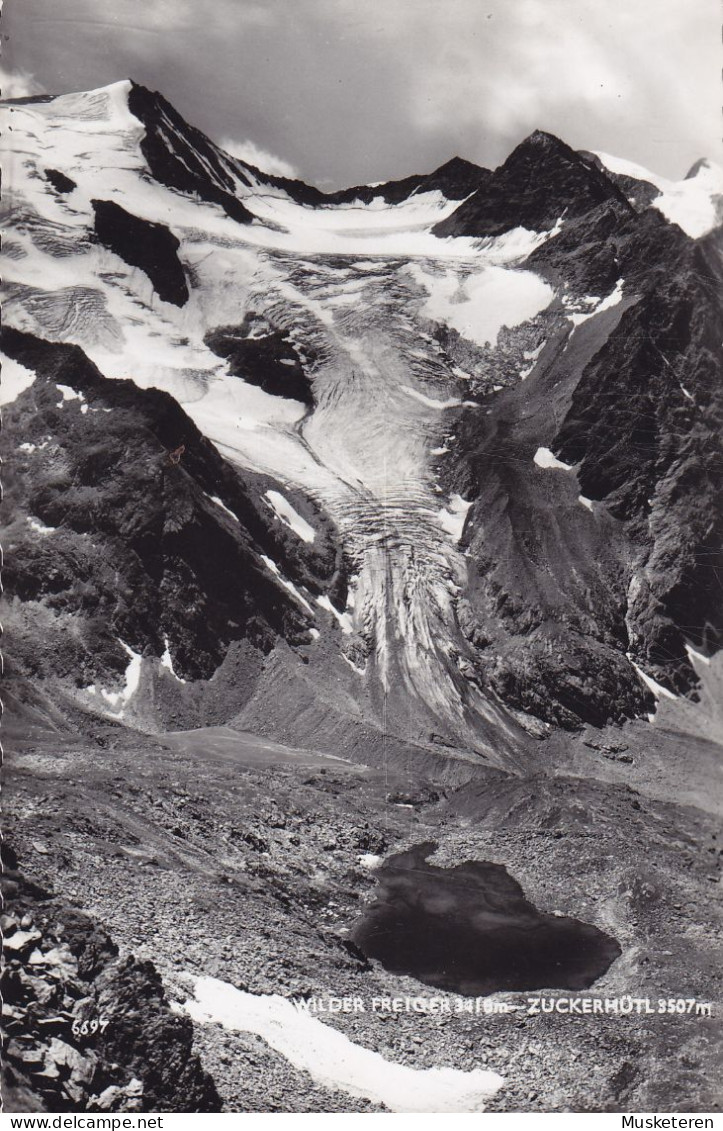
x=336, y=283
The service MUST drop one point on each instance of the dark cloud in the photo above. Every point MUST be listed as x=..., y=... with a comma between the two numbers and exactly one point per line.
x=349, y=91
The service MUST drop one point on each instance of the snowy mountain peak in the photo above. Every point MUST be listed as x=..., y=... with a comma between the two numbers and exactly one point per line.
x=706, y=168
x=541, y=181
x=695, y=203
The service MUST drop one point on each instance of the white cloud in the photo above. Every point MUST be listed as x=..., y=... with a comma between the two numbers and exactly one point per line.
x=358, y=92
x=584, y=71
x=18, y=83
x=643, y=75
x=253, y=154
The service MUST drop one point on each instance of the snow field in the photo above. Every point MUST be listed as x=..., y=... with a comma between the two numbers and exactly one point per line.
x=335, y=1062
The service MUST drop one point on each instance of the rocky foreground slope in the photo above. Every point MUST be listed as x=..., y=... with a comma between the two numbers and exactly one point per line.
x=216, y=854
x=86, y=1030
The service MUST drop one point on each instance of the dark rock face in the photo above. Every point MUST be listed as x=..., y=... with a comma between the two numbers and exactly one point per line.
x=140, y=243
x=268, y=360
x=643, y=426
x=632, y=401
x=640, y=193
x=180, y=156
x=540, y=181
x=86, y=1030
x=585, y=253
x=545, y=604
x=455, y=179
x=138, y=547
x=60, y=181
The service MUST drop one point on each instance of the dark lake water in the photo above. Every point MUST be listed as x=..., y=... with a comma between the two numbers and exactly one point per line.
x=470, y=930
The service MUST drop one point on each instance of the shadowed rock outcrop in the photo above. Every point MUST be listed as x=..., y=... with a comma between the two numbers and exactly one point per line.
x=87, y=1029
x=140, y=243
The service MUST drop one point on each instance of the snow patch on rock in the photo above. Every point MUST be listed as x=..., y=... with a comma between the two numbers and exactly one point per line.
x=120, y=699
x=290, y=517
x=335, y=1062
x=452, y=520
x=344, y=619
x=14, y=379
x=596, y=305
x=430, y=402
x=39, y=527
x=354, y=667
x=68, y=394
x=657, y=689
x=370, y=860
x=544, y=458
x=215, y=499
x=479, y=303
x=695, y=204
x=286, y=583
x=531, y=356
x=167, y=661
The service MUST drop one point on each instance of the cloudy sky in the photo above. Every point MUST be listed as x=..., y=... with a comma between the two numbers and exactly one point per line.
x=349, y=91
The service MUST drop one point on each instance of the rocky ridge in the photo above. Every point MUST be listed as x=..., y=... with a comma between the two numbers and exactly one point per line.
x=84, y=1028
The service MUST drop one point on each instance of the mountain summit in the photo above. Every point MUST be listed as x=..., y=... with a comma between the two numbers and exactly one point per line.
x=540, y=182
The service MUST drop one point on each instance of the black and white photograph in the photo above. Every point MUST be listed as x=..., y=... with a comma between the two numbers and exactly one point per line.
x=362, y=387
